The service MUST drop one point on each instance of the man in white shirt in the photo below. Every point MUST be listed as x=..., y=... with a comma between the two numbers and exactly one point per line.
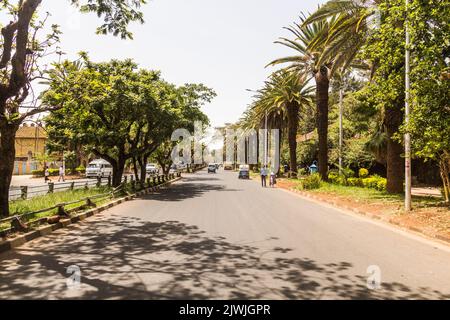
x=61, y=174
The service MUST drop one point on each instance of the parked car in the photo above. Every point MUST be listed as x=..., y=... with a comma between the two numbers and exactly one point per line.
x=174, y=169
x=152, y=168
x=99, y=168
x=228, y=166
x=212, y=168
x=244, y=172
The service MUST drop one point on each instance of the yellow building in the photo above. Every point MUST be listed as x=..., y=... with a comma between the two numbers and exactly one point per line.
x=30, y=141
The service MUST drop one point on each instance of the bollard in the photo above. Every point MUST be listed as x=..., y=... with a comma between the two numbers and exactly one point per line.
x=61, y=212
x=109, y=181
x=72, y=185
x=99, y=182
x=86, y=186
x=51, y=187
x=18, y=225
x=148, y=183
x=24, y=192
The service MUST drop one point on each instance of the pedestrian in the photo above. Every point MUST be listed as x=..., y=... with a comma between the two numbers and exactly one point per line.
x=46, y=174
x=263, y=176
x=273, y=179
x=61, y=174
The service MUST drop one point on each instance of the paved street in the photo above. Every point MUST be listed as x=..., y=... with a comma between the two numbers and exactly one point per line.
x=216, y=237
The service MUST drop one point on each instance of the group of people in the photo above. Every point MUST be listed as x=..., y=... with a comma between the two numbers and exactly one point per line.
x=264, y=173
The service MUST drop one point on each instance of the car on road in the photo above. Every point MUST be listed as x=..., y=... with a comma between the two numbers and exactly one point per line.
x=174, y=169
x=212, y=168
x=99, y=168
x=228, y=166
x=244, y=172
x=152, y=169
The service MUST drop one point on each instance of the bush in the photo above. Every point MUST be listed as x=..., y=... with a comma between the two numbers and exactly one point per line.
x=354, y=182
x=80, y=170
x=303, y=172
x=363, y=173
x=311, y=182
x=375, y=182
x=53, y=172
x=334, y=177
x=37, y=173
x=348, y=173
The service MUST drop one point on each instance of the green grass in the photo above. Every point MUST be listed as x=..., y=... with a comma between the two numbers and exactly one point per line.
x=50, y=200
x=372, y=195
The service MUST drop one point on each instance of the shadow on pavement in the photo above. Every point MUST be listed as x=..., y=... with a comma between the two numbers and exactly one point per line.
x=128, y=258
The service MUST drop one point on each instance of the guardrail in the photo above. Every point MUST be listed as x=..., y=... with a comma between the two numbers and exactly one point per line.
x=18, y=222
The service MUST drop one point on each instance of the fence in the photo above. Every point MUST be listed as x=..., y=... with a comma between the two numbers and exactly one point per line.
x=17, y=221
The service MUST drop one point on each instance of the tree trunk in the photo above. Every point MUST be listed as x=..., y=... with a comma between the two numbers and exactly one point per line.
x=395, y=161
x=322, y=87
x=118, y=168
x=444, y=166
x=143, y=164
x=135, y=168
x=292, y=111
x=8, y=154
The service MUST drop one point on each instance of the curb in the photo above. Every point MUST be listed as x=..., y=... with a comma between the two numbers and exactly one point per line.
x=390, y=221
x=42, y=231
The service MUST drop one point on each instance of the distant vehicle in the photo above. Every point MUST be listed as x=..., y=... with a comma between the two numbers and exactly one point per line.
x=212, y=168
x=181, y=165
x=244, y=172
x=174, y=169
x=228, y=166
x=152, y=168
x=99, y=168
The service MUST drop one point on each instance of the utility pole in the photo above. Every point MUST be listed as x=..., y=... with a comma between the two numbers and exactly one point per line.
x=407, y=113
x=341, y=129
x=266, y=142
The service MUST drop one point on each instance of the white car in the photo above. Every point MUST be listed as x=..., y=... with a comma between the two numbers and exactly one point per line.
x=152, y=168
x=99, y=168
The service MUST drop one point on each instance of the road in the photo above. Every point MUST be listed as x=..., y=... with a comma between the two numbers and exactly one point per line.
x=216, y=237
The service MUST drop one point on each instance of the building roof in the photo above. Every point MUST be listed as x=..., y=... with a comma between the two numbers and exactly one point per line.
x=31, y=132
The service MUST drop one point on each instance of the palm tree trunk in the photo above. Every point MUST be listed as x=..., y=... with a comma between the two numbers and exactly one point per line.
x=292, y=112
x=322, y=87
x=395, y=162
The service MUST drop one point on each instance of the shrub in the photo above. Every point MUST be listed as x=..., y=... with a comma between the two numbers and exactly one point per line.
x=354, y=182
x=363, y=173
x=348, y=173
x=381, y=184
x=303, y=172
x=81, y=170
x=37, y=173
x=311, y=182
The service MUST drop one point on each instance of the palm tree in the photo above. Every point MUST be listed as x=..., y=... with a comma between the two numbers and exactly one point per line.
x=352, y=23
x=310, y=62
x=282, y=97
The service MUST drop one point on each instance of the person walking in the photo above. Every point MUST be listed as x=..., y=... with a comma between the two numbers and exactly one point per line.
x=263, y=176
x=61, y=174
x=273, y=179
x=46, y=174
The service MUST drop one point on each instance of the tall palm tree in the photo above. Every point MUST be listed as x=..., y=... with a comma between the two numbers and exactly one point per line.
x=309, y=62
x=352, y=23
x=282, y=97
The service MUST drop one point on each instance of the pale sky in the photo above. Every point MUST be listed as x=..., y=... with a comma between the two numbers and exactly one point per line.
x=223, y=44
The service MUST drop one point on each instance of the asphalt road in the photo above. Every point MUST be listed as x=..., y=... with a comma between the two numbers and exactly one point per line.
x=216, y=237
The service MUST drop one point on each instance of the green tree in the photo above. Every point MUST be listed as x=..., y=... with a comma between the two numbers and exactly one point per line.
x=21, y=51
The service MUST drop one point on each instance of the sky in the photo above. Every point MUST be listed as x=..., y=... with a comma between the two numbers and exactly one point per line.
x=222, y=44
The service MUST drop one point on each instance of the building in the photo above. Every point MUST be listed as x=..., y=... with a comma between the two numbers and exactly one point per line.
x=30, y=141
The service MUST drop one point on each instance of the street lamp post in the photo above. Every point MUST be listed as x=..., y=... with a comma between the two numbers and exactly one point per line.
x=407, y=113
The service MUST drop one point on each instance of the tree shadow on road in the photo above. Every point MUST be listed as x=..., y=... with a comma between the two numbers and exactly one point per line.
x=127, y=258
x=186, y=190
